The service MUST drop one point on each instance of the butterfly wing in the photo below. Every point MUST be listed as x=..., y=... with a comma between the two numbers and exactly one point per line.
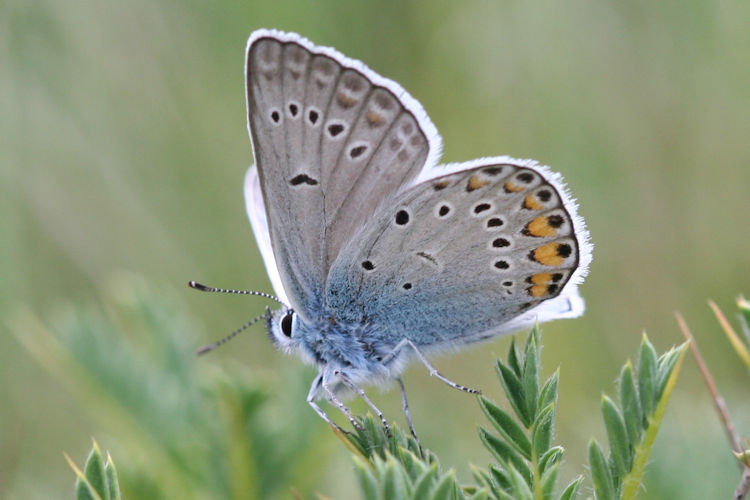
x=256, y=212
x=331, y=140
x=471, y=252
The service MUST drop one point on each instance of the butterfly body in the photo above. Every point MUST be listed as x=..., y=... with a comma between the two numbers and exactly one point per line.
x=381, y=253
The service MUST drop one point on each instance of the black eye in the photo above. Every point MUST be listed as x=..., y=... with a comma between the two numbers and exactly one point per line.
x=286, y=324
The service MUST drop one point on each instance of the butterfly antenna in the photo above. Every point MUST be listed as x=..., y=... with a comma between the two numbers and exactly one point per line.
x=204, y=288
x=211, y=347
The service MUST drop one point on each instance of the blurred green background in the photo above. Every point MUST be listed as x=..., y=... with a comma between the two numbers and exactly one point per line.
x=123, y=147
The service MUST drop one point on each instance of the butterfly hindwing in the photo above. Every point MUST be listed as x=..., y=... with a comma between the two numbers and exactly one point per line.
x=458, y=256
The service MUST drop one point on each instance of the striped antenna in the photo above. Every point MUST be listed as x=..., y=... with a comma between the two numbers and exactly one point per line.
x=211, y=347
x=204, y=288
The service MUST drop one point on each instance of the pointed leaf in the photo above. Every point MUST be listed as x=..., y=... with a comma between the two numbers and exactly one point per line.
x=392, y=484
x=411, y=463
x=423, y=485
x=94, y=472
x=85, y=491
x=633, y=480
x=631, y=407
x=504, y=453
x=604, y=488
x=514, y=391
x=549, y=479
x=646, y=377
x=541, y=434
x=550, y=457
x=530, y=378
x=501, y=477
x=444, y=489
x=113, y=483
x=548, y=393
x=664, y=366
x=571, y=491
x=744, y=306
x=484, y=478
x=506, y=426
x=483, y=494
x=513, y=358
x=519, y=484
x=367, y=483
x=619, y=446
x=735, y=340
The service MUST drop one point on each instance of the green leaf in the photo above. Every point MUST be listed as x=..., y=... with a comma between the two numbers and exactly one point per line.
x=519, y=484
x=631, y=407
x=548, y=393
x=423, y=485
x=549, y=478
x=604, y=488
x=413, y=466
x=550, y=457
x=501, y=477
x=664, y=366
x=571, y=491
x=504, y=453
x=85, y=491
x=619, y=446
x=514, y=391
x=744, y=306
x=513, y=358
x=541, y=433
x=633, y=480
x=367, y=482
x=646, y=377
x=393, y=484
x=506, y=426
x=113, y=483
x=444, y=489
x=482, y=494
x=484, y=478
x=95, y=474
x=530, y=378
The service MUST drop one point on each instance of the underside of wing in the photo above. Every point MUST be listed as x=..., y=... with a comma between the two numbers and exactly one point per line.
x=486, y=248
x=332, y=140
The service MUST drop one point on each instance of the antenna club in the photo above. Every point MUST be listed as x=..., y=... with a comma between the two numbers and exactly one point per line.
x=198, y=286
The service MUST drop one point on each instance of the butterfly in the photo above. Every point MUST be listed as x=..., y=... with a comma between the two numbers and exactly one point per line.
x=380, y=254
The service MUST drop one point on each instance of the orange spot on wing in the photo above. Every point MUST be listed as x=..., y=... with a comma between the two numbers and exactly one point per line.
x=540, y=227
x=538, y=291
x=346, y=101
x=541, y=278
x=548, y=255
x=512, y=188
x=375, y=119
x=476, y=182
x=531, y=203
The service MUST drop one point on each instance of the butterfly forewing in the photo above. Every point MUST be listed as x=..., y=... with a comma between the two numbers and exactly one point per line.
x=455, y=258
x=332, y=141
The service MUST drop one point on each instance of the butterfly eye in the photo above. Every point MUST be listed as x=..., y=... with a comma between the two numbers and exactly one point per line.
x=286, y=324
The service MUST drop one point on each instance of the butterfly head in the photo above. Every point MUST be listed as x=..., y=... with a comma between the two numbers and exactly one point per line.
x=280, y=326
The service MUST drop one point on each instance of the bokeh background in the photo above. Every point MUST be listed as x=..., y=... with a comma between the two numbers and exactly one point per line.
x=123, y=146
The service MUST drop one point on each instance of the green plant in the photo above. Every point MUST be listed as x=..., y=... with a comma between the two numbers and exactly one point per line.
x=527, y=461
x=98, y=479
x=182, y=429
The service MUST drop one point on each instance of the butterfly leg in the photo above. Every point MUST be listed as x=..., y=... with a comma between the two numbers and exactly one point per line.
x=361, y=393
x=405, y=404
x=316, y=385
x=433, y=371
x=331, y=397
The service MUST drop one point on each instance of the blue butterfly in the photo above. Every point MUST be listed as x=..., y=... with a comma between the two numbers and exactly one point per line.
x=381, y=254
